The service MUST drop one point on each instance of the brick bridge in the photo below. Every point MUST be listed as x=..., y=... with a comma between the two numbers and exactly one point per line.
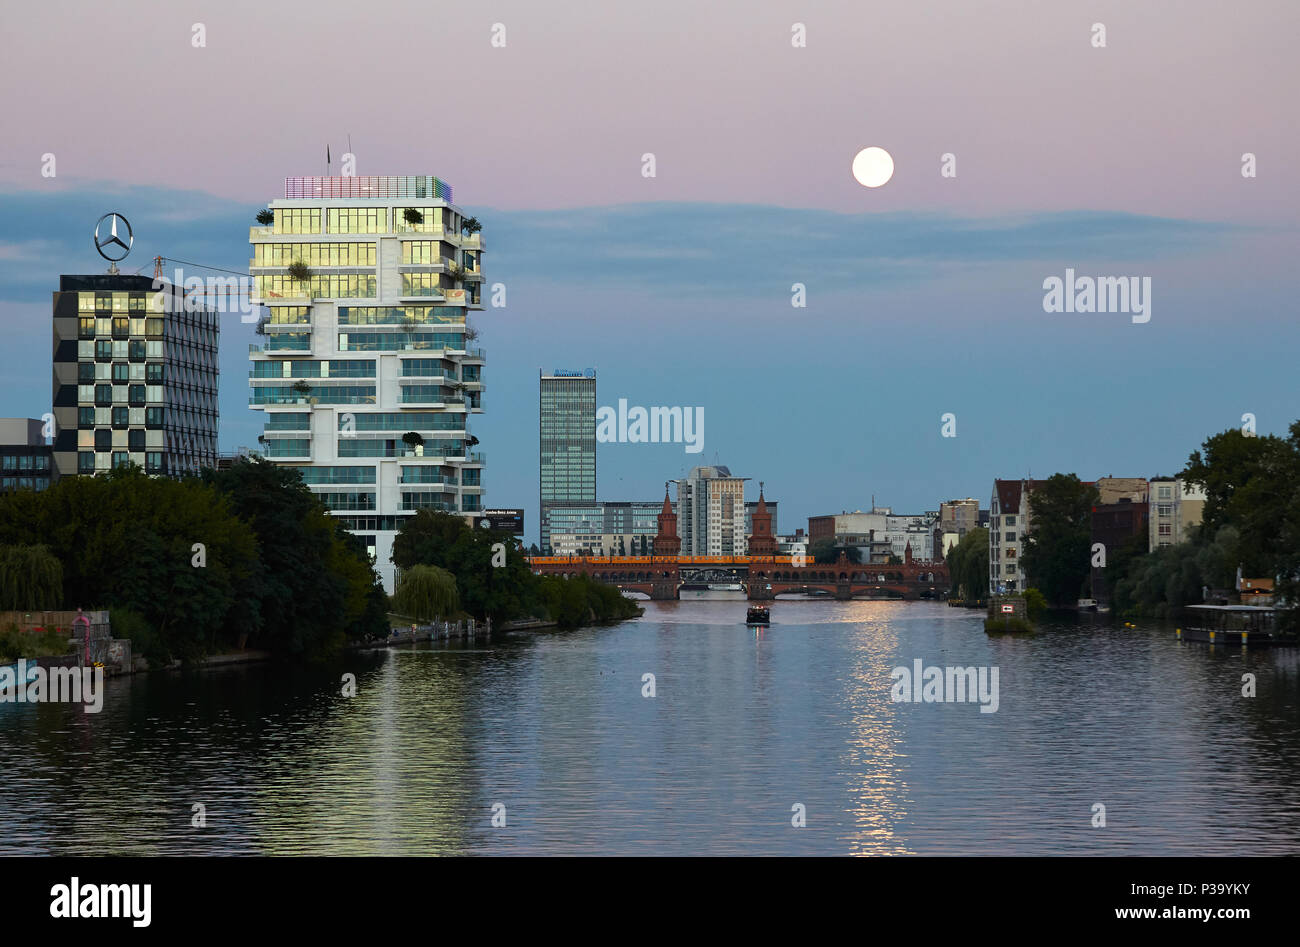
x=661, y=577
x=763, y=573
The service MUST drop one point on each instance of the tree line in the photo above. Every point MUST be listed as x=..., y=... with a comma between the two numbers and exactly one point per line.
x=446, y=564
x=1251, y=521
x=234, y=558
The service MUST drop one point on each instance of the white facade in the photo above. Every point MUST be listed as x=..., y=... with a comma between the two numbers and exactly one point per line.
x=711, y=513
x=1176, y=506
x=375, y=344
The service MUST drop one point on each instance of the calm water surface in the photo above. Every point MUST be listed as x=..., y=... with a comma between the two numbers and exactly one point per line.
x=744, y=726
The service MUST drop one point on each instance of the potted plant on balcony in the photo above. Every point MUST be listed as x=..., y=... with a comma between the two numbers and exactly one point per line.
x=266, y=217
x=456, y=272
x=300, y=272
x=303, y=389
x=470, y=225
x=412, y=216
x=409, y=325
x=415, y=442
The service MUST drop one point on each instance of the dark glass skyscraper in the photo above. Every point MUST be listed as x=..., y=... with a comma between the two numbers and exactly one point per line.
x=568, y=444
x=135, y=377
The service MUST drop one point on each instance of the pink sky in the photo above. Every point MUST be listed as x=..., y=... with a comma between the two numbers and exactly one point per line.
x=1039, y=119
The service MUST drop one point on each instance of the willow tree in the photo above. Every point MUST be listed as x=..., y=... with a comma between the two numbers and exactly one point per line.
x=425, y=593
x=31, y=578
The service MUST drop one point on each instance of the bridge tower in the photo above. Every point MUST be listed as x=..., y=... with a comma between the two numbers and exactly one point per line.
x=669, y=545
x=762, y=551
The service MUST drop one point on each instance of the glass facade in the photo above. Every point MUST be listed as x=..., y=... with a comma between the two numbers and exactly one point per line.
x=375, y=370
x=567, y=429
x=132, y=386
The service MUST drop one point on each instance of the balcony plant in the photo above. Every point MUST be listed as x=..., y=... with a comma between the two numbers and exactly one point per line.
x=456, y=272
x=303, y=389
x=266, y=217
x=299, y=271
x=412, y=216
x=414, y=441
x=409, y=325
x=470, y=225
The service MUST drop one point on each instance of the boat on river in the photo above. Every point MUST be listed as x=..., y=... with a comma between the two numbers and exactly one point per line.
x=1244, y=625
x=758, y=615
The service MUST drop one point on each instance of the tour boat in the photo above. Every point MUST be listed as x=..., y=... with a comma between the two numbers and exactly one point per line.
x=758, y=615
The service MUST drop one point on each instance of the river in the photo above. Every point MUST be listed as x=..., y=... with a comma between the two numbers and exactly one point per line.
x=748, y=733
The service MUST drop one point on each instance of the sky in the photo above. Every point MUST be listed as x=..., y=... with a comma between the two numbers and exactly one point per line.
x=924, y=296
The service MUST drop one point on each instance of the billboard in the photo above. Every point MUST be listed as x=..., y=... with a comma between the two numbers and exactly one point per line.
x=510, y=521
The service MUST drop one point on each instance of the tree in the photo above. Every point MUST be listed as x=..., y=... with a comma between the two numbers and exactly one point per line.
x=825, y=552
x=299, y=271
x=470, y=225
x=31, y=578
x=426, y=593
x=266, y=216
x=412, y=216
x=1057, y=548
x=968, y=565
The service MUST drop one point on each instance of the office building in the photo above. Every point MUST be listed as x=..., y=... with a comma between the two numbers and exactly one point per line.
x=711, y=513
x=367, y=376
x=567, y=435
x=26, y=460
x=605, y=528
x=135, y=377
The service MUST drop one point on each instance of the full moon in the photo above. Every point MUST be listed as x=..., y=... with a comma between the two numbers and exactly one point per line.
x=873, y=167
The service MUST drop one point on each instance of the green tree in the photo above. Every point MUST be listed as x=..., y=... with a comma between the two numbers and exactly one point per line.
x=825, y=552
x=31, y=578
x=426, y=593
x=1057, y=549
x=968, y=565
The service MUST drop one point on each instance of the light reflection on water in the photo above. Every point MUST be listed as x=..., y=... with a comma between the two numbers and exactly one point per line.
x=745, y=725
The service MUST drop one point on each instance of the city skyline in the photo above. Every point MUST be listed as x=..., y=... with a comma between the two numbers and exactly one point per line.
x=923, y=297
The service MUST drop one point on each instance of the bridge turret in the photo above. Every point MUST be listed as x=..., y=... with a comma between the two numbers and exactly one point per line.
x=762, y=544
x=667, y=542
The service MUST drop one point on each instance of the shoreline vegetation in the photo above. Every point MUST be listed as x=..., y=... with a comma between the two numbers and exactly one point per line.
x=248, y=560
x=1250, y=527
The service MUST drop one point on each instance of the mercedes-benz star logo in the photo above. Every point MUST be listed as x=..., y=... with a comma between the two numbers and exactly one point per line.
x=113, y=239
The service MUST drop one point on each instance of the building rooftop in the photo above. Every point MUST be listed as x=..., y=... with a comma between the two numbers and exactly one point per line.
x=370, y=187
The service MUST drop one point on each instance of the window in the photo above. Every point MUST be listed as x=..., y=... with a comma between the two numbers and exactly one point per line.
x=153, y=461
x=153, y=417
x=85, y=462
x=421, y=284
x=1166, y=529
x=1164, y=509
x=1164, y=493
x=85, y=417
x=120, y=417
x=86, y=373
x=420, y=252
x=103, y=439
x=154, y=373
x=357, y=219
x=1011, y=520
x=120, y=372
x=297, y=220
x=1010, y=569
x=1010, y=537
x=121, y=458
x=135, y=440
x=104, y=395
x=136, y=395
x=103, y=350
